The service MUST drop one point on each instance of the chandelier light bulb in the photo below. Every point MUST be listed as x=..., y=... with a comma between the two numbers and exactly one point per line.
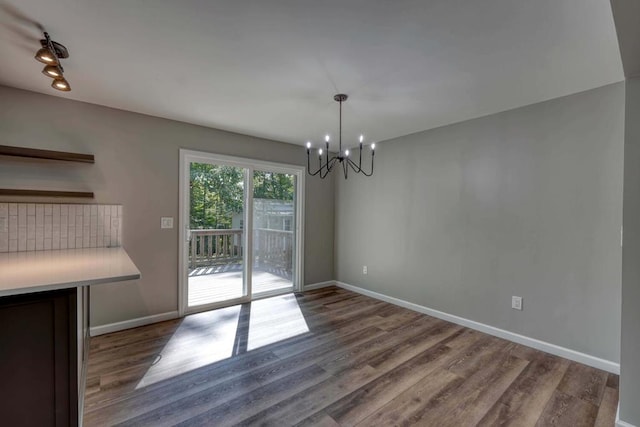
x=326, y=137
x=373, y=146
x=346, y=153
x=320, y=152
x=308, y=144
x=361, y=138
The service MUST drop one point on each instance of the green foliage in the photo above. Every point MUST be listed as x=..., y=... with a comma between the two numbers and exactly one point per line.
x=274, y=186
x=217, y=192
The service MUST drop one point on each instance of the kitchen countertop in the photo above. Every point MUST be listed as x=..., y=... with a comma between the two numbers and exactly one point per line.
x=37, y=271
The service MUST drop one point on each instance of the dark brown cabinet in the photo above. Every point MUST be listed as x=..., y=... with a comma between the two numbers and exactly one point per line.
x=38, y=359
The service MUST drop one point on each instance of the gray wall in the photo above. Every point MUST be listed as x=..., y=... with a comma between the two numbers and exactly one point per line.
x=630, y=345
x=527, y=202
x=137, y=160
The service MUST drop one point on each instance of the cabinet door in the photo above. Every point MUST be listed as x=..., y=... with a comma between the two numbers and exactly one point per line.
x=38, y=359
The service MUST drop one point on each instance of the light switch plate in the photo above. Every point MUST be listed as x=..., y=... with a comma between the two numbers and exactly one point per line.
x=166, y=222
x=516, y=303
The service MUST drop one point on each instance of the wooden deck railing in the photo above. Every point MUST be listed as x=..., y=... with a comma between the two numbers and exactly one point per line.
x=272, y=248
x=212, y=247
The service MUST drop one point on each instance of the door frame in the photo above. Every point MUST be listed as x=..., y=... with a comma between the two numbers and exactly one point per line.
x=189, y=156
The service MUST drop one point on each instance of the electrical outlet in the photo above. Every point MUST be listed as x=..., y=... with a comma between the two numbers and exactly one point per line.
x=516, y=303
x=364, y=269
x=166, y=222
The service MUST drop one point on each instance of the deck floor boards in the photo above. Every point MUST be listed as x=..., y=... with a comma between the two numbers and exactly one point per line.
x=214, y=284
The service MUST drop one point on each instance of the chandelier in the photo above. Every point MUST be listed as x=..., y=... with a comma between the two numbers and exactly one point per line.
x=326, y=164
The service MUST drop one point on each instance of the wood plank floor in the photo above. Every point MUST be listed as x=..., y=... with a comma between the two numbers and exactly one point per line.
x=331, y=357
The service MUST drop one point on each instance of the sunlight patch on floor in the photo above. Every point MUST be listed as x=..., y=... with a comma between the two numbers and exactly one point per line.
x=288, y=321
x=206, y=338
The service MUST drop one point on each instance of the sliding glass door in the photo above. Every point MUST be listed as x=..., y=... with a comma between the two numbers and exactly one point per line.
x=274, y=224
x=240, y=230
x=216, y=255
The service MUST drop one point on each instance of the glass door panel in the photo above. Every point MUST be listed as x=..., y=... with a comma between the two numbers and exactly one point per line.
x=216, y=237
x=274, y=215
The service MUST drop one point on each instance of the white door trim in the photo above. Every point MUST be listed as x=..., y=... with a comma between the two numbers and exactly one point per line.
x=188, y=156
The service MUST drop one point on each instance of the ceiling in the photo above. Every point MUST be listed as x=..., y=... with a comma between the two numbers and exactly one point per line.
x=271, y=68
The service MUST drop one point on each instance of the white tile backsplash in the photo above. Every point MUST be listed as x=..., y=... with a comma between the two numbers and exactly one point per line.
x=40, y=226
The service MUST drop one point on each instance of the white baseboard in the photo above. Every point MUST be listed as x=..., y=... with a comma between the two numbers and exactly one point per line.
x=133, y=323
x=319, y=285
x=619, y=422
x=567, y=353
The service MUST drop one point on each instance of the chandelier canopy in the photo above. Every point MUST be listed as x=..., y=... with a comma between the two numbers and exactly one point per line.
x=326, y=164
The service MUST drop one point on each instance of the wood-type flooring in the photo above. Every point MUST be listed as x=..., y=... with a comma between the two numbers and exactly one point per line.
x=331, y=357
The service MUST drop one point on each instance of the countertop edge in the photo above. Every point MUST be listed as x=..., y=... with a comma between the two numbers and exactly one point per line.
x=86, y=268
x=63, y=285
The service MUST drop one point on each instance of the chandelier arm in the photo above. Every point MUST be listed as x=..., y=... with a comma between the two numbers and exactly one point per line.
x=328, y=166
x=358, y=169
x=331, y=163
x=327, y=152
x=345, y=168
x=315, y=173
x=323, y=171
x=370, y=173
x=354, y=166
x=323, y=176
x=309, y=166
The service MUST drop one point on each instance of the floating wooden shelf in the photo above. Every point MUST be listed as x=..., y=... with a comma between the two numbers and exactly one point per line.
x=6, y=150
x=45, y=193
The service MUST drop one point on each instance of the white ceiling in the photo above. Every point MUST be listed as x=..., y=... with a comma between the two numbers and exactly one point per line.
x=271, y=68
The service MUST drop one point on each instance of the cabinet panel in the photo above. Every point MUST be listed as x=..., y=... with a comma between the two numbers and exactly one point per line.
x=38, y=359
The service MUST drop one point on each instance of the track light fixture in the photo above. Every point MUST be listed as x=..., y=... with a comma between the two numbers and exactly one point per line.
x=50, y=54
x=326, y=164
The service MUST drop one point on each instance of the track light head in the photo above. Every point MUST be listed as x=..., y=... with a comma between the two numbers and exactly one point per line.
x=61, y=84
x=46, y=56
x=53, y=71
